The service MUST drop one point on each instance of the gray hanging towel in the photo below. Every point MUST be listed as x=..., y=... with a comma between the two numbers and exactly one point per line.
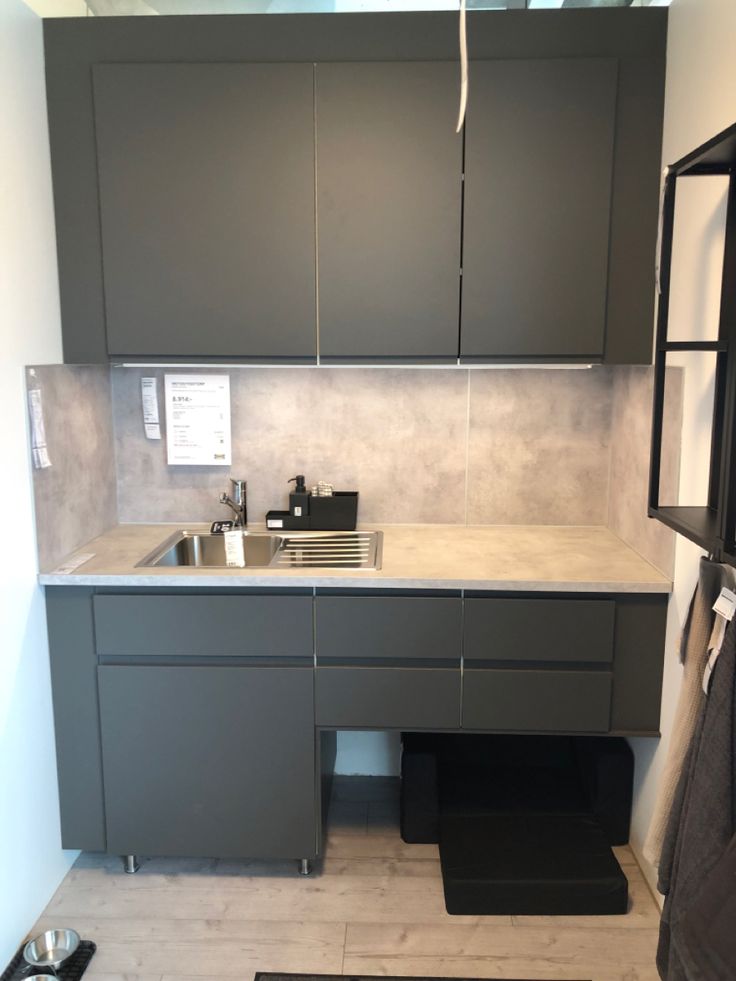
x=694, y=654
x=702, y=819
x=706, y=940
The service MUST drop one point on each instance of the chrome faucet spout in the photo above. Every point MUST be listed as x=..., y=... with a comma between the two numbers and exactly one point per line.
x=238, y=502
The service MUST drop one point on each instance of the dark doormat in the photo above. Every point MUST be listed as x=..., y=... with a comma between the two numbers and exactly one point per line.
x=268, y=976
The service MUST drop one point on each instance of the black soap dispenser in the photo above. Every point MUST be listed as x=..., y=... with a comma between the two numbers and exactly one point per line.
x=299, y=498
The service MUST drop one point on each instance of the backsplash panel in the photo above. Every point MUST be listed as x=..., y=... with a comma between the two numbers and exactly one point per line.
x=75, y=498
x=630, y=438
x=538, y=448
x=421, y=445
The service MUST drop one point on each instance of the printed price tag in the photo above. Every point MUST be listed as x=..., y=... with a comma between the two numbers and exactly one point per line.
x=725, y=605
x=39, y=450
x=149, y=399
x=234, y=549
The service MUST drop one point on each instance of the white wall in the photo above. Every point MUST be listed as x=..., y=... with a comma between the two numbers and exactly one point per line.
x=32, y=862
x=700, y=101
x=375, y=753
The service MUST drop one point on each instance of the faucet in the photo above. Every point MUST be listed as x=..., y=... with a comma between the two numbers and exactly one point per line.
x=237, y=503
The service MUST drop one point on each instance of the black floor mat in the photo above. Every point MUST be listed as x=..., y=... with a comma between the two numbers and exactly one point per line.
x=71, y=970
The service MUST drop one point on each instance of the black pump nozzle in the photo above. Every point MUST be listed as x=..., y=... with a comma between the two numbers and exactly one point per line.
x=301, y=487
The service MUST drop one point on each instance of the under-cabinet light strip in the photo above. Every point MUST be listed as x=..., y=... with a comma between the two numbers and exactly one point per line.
x=451, y=366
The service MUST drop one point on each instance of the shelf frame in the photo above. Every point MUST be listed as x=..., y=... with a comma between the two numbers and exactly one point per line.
x=712, y=525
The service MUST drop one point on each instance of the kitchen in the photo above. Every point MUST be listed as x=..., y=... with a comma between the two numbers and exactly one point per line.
x=445, y=438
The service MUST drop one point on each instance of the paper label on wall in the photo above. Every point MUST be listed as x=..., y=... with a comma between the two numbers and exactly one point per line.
x=198, y=420
x=149, y=401
x=39, y=450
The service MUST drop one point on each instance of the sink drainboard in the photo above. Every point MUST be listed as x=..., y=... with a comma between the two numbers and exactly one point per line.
x=356, y=550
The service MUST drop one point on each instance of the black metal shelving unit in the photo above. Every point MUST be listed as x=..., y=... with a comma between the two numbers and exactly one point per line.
x=712, y=525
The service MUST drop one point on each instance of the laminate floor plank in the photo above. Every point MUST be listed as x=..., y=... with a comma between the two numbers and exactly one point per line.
x=624, y=855
x=365, y=790
x=331, y=899
x=400, y=940
x=388, y=845
x=504, y=966
x=425, y=868
x=225, y=947
x=349, y=817
x=458, y=950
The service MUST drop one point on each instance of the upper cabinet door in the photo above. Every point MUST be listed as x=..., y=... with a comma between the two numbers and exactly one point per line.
x=389, y=167
x=206, y=178
x=538, y=169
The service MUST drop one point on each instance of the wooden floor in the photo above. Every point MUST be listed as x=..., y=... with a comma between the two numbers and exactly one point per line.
x=375, y=906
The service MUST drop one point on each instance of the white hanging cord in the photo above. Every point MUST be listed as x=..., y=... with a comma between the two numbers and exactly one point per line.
x=463, y=68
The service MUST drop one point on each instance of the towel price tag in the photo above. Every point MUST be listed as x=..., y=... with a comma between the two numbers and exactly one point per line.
x=234, y=549
x=725, y=605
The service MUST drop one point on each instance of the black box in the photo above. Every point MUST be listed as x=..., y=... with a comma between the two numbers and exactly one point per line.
x=336, y=513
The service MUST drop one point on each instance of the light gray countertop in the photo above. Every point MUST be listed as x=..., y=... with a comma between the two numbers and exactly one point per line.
x=486, y=557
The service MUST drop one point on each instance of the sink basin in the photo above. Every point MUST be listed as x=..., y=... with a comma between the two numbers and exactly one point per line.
x=290, y=550
x=189, y=549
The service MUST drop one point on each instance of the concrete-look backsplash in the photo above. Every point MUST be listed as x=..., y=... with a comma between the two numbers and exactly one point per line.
x=502, y=446
x=75, y=498
x=421, y=445
x=630, y=437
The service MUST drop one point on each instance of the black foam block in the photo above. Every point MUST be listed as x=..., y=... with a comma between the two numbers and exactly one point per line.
x=607, y=770
x=529, y=864
x=419, y=810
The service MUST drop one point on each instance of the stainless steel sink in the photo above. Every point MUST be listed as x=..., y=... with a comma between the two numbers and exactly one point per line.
x=290, y=550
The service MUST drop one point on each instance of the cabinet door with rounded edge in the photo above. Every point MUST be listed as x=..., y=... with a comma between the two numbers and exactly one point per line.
x=208, y=761
x=206, y=182
x=538, y=178
x=389, y=189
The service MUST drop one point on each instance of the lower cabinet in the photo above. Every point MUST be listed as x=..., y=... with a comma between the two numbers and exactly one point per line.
x=195, y=723
x=207, y=760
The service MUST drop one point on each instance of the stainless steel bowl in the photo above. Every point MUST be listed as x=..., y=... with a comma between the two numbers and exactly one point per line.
x=50, y=949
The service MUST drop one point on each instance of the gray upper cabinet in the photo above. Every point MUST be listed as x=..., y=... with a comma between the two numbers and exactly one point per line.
x=206, y=182
x=389, y=189
x=538, y=185
x=273, y=188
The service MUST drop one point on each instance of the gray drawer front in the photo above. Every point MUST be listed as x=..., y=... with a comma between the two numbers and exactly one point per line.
x=394, y=627
x=573, y=701
x=204, y=624
x=395, y=698
x=539, y=630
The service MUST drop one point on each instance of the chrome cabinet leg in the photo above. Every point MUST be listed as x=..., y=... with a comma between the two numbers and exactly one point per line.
x=130, y=864
x=305, y=866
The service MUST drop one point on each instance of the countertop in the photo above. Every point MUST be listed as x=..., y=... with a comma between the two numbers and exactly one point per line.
x=485, y=557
